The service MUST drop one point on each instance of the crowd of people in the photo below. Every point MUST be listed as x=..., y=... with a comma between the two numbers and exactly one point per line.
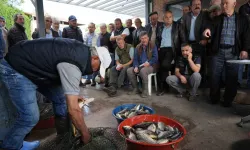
x=184, y=54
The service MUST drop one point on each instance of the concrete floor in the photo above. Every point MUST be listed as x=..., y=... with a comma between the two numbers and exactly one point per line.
x=208, y=127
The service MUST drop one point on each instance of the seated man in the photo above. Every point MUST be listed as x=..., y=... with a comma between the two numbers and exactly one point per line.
x=53, y=67
x=124, y=54
x=146, y=57
x=186, y=73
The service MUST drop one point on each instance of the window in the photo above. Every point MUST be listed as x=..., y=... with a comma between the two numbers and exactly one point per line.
x=176, y=7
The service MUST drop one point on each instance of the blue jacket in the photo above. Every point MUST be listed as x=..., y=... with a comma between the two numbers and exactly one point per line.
x=2, y=45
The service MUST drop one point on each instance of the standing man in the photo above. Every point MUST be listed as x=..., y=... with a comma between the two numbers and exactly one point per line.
x=145, y=60
x=17, y=32
x=72, y=31
x=119, y=31
x=131, y=30
x=245, y=11
x=170, y=38
x=136, y=33
x=186, y=73
x=124, y=55
x=153, y=27
x=2, y=46
x=111, y=27
x=230, y=38
x=4, y=35
x=90, y=39
x=53, y=67
x=185, y=10
x=56, y=26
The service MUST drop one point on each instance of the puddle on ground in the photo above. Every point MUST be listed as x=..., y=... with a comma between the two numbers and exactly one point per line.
x=99, y=105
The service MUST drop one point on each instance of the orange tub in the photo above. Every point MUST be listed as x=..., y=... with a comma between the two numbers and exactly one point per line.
x=133, y=145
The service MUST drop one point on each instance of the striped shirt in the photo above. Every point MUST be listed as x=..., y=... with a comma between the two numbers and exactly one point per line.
x=228, y=30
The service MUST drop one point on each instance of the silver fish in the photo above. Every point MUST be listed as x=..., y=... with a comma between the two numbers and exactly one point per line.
x=123, y=111
x=143, y=125
x=145, y=137
x=169, y=128
x=119, y=116
x=132, y=136
x=161, y=126
x=152, y=127
x=165, y=134
x=132, y=114
x=163, y=141
x=137, y=107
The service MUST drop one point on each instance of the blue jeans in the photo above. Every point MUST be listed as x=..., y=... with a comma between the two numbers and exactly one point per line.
x=23, y=95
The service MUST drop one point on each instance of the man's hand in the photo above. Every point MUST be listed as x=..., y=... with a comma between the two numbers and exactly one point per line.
x=146, y=64
x=190, y=56
x=243, y=55
x=183, y=79
x=203, y=42
x=207, y=33
x=86, y=138
x=136, y=70
x=119, y=67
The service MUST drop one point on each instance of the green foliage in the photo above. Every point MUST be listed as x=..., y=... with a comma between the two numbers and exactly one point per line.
x=8, y=11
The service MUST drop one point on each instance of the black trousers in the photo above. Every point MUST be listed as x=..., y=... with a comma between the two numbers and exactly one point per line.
x=165, y=57
x=219, y=65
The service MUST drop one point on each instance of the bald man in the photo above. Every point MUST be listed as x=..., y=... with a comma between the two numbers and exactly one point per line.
x=230, y=39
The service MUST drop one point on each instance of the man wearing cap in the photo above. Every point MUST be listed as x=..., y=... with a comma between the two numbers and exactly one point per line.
x=153, y=27
x=230, y=39
x=53, y=67
x=72, y=31
x=245, y=11
x=17, y=32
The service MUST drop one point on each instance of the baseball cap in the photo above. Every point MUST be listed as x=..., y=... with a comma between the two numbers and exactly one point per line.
x=214, y=7
x=1, y=17
x=72, y=17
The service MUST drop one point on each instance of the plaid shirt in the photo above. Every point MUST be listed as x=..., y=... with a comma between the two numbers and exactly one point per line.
x=228, y=30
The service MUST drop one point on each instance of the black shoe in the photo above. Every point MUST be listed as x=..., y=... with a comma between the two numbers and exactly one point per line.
x=192, y=98
x=93, y=84
x=87, y=82
x=82, y=85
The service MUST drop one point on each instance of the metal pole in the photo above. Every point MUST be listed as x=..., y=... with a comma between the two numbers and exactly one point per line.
x=146, y=10
x=40, y=17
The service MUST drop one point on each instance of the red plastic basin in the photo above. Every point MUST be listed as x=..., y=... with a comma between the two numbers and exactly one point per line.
x=133, y=145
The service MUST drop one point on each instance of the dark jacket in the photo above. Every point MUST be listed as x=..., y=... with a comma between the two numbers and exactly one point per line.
x=38, y=59
x=245, y=10
x=2, y=45
x=35, y=34
x=186, y=25
x=116, y=33
x=105, y=41
x=136, y=34
x=16, y=34
x=73, y=33
x=242, y=39
x=178, y=37
x=130, y=37
x=148, y=28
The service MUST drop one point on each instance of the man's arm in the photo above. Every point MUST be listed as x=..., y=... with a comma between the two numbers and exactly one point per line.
x=112, y=37
x=85, y=36
x=195, y=66
x=177, y=73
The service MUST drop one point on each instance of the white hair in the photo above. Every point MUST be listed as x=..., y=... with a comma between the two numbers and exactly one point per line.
x=103, y=25
x=56, y=20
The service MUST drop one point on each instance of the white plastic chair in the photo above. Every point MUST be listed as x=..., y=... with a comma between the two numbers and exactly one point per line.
x=150, y=83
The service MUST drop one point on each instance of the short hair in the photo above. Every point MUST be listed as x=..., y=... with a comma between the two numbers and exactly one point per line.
x=138, y=19
x=111, y=24
x=191, y=3
x=91, y=23
x=15, y=17
x=56, y=20
x=103, y=25
x=118, y=19
x=184, y=45
x=143, y=33
x=119, y=38
x=47, y=17
x=129, y=20
x=153, y=13
x=168, y=11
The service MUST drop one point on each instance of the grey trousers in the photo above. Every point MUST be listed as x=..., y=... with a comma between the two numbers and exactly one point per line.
x=143, y=73
x=193, y=83
x=117, y=77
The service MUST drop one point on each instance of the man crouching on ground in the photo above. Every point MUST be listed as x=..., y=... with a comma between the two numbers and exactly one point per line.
x=53, y=67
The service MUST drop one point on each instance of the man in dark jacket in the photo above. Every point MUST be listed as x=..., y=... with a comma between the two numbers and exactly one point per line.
x=170, y=38
x=136, y=33
x=53, y=67
x=245, y=9
x=131, y=30
x=17, y=32
x=153, y=27
x=72, y=31
x=2, y=45
x=230, y=38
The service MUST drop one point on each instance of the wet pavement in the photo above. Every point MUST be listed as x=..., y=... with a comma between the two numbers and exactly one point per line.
x=208, y=127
